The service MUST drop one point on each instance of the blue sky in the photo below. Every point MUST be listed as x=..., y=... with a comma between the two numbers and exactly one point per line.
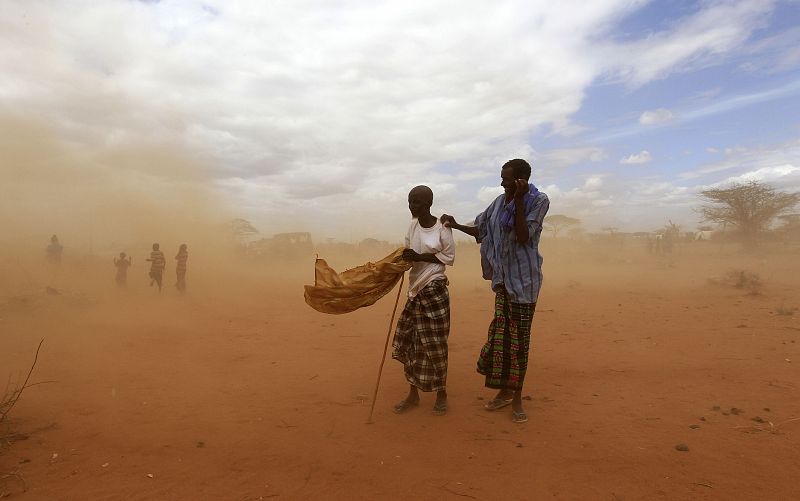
x=302, y=115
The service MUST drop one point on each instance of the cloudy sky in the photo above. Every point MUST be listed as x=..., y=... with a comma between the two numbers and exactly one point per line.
x=320, y=115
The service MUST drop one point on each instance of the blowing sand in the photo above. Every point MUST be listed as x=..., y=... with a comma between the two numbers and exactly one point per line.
x=240, y=391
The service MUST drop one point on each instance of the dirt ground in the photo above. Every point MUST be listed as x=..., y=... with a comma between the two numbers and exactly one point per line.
x=240, y=391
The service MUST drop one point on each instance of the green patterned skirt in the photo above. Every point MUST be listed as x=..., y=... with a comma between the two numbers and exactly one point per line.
x=504, y=357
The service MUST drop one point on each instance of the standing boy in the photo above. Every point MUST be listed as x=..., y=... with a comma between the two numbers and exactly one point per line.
x=420, y=340
x=54, y=251
x=157, y=265
x=180, y=268
x=122, y=264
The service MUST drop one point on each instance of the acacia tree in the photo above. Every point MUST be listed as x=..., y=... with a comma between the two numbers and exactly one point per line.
x=558, y=222
x=242, y=228
x=751, y=207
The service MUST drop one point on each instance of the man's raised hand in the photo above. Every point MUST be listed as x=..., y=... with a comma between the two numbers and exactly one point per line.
x=522, y=189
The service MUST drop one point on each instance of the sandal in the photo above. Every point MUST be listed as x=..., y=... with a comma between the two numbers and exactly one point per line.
x=405, y=405
x=440, y=409
x=497, y=403
x=519, y=417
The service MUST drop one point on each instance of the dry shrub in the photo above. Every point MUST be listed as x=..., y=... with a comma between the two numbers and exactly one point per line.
x=742, y=279
x=14, y=390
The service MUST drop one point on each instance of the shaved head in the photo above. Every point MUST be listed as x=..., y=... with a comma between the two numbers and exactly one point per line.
x=423, y=192
x=420, y=199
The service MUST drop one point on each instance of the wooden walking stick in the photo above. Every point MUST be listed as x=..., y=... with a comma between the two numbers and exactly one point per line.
x=385, y=348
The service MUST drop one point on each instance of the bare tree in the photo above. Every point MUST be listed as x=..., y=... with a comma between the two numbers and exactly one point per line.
x=558, y=222
x=751, y=207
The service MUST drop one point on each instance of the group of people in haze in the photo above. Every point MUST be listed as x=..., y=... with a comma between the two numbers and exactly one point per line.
x=157, y=264
x=508, y=232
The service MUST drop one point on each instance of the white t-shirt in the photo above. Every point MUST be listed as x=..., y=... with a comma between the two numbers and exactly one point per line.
x=436, y=240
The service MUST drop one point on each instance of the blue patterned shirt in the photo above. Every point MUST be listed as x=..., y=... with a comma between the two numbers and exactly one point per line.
x=505, y=262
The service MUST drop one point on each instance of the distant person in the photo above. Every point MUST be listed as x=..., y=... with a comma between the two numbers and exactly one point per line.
x=420, y=340
x=54, y=251
x=180, y=268
x=157, y=265
x=122, y=264
x=508, y=231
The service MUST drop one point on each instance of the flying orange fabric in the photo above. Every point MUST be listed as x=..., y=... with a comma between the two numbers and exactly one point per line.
x=355, y=288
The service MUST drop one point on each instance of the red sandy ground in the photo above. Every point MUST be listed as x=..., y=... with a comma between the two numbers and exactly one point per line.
x=240, y=391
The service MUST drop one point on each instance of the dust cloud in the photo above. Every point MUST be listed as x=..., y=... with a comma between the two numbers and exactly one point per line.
x=238, y=390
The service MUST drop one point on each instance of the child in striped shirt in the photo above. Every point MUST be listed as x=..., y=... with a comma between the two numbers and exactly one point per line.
x=157, y=265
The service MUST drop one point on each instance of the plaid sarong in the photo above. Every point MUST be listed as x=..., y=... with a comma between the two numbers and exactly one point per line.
x=420, y=340
x=504, y=357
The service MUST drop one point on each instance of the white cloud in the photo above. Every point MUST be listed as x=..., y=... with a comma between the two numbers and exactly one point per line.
x=488, y=193
x=315, y=108
x=699, y=40
x=643, y=157
x=739, y=160
x=552, y=161
x=593, y=183
x=711, y=149
x=659, y=116
x=710, y=108
x=779, y=175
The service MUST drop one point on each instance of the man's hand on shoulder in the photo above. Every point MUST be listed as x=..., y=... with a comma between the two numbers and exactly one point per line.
x=448, y=220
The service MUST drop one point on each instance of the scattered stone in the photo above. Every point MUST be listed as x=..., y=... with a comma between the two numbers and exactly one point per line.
x=702, y=418
x=519, y=446
x=759, y=419
x=682, y=447
x=480, y=398
x=527, y=397
x=716, y=408
x=694, y=426
x=51, y=291
x=200, y=444
x=736, y=411
x=767, y=409
x=149, y=475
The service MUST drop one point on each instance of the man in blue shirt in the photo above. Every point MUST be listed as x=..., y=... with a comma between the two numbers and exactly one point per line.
x=508, y=231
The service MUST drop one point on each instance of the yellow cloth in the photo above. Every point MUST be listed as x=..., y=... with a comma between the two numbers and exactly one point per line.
x=361, y=286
